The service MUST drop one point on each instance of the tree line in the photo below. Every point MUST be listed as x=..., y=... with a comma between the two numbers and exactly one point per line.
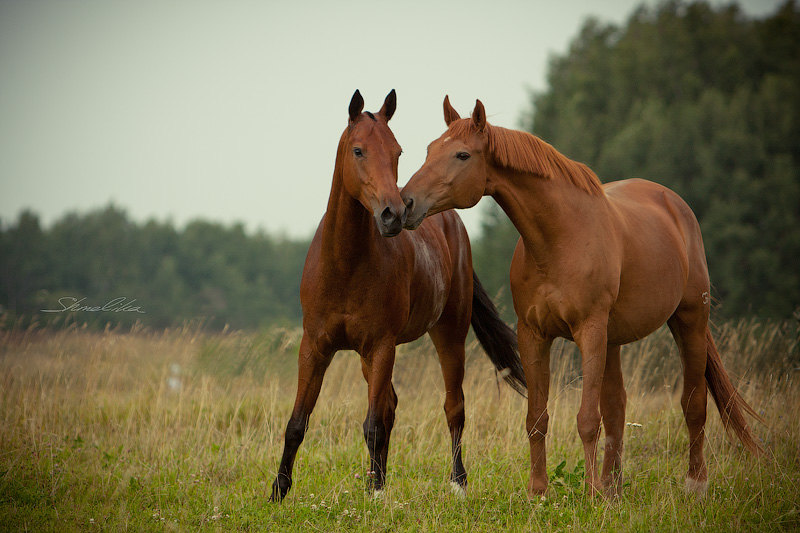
x=699, y=98
x=150, y=273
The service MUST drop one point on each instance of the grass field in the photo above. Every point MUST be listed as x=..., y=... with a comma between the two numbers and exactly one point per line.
x=183, y=430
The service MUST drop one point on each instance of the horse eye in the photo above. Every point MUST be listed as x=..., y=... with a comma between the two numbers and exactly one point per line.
x=463, y=155
x=358, y=152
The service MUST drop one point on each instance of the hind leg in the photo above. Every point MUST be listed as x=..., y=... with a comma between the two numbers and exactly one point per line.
x=612, y=410
x=688, y=329
x=449, y=343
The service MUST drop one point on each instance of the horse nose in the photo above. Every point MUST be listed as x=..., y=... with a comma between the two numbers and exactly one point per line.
x=392, y=221
x=388, y=216
x=409, y=204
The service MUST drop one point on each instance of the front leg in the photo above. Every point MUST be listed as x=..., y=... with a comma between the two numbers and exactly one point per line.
x=534, y=352
x=312, y=364
x=591, y=338
x=377, y=367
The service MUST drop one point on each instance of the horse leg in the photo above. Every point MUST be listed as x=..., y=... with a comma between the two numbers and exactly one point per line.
x=535, y=355
x=312, y=364
x=688, y=329
x=591, y=340
x=450, y=347
x=377, y=367
x=612, y=410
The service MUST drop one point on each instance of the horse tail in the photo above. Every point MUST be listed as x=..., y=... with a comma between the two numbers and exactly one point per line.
x=498, y=340
x=729, y=404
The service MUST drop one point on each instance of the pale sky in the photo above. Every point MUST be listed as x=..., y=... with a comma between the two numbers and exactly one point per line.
x=232, y=110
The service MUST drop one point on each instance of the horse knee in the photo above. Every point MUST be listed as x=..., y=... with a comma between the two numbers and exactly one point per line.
x=588, y=425
x=536, y=424
x=295, y=432
x=374, y=434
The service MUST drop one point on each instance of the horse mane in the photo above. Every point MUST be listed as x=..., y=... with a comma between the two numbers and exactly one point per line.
x=524, y=152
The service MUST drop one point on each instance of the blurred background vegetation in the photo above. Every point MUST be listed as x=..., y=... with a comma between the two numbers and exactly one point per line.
x=696, y=97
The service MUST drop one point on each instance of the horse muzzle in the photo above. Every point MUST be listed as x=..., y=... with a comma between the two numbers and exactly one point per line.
x=390, y=221
x=414, y=215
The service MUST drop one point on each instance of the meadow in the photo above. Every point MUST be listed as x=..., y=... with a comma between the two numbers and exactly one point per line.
x=182, y=429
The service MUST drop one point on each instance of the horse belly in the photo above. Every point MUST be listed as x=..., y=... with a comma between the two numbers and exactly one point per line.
x=650, y=290
x=633, y=322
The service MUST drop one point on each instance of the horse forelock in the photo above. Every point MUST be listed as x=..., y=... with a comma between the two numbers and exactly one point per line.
x=524, y=152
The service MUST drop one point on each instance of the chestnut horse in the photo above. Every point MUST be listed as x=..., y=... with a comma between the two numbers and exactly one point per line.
x=602, y=265
x=363, y=292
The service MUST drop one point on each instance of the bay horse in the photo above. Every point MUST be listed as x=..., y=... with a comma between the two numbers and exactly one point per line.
x=364, y=292
x=601, y=265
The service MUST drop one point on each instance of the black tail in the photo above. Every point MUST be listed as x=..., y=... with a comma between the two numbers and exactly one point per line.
x=498, y=340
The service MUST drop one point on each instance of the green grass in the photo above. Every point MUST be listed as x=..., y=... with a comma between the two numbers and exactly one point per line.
x=93, y=435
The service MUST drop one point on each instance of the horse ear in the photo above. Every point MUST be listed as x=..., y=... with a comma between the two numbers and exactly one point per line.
x=479, y=116
x=356, y=105
x=450, y=114
x=389, y=105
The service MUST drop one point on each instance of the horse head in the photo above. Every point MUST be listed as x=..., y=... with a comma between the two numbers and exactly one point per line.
x=455, y=170
x=369, y=155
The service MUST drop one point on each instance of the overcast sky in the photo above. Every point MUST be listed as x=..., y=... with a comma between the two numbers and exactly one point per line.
x=232, y=111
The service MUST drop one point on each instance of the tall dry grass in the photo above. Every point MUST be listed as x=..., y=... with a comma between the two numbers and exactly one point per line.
x=183, y=429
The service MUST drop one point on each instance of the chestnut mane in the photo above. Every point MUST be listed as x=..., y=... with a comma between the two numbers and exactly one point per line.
x=524, y=152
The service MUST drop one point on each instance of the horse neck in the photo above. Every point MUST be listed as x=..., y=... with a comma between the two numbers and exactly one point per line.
x=348, y=228
x=548, y=213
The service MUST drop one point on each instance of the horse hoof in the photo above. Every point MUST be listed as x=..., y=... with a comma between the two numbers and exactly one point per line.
x=278, y=494
x=696, y=486
x=377, y=494
x=459, y=491
x=612, y=487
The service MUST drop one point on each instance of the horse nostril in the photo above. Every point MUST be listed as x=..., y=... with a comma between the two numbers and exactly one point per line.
x=409, y=204
x=387, y=216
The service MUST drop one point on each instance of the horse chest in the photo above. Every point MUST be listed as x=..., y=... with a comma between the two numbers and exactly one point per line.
x=553, y=301
x=430, y=284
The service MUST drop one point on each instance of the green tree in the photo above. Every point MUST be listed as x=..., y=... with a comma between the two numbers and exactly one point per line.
x=707, y=102
x=23, y=265
x=207, y=271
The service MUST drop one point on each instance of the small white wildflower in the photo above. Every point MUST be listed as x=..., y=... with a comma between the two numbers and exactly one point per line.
x=91, y=520
x=314, y=507
x=633, y=425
